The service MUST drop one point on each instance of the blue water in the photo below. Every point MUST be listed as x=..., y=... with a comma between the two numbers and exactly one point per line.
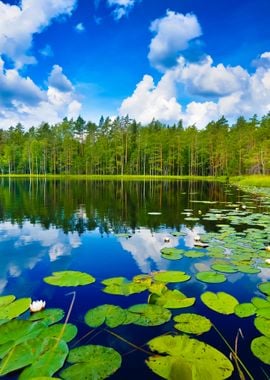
x=47, y=227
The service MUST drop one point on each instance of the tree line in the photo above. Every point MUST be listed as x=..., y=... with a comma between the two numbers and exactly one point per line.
x=123, y=146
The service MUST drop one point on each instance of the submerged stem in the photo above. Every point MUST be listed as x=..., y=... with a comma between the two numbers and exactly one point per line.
x=128, y=342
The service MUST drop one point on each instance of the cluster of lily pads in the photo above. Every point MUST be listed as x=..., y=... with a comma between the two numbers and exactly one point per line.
x=37, y=344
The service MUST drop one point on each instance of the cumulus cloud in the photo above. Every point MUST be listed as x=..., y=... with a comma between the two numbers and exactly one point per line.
x=173, y=34
x=46, y=51
x=223, y=90
x=121, y=7
x=150, y=101
x=20, y=23
x=21, y=100
x=80, y=27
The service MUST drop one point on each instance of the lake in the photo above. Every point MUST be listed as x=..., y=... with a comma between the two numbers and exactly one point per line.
x=117, y=229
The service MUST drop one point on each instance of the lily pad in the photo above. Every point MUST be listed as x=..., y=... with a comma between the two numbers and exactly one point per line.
x=69, y=278
x=172, y=299
x=14, y=309
x=261, y=348
x=187, y=358
x=248, y=269
x=91, y=362
x=43, y=356
x=264, y=287
x=111, y=315
x=192, y=323
x=226, y=268
x=122, y=286
x=171, y=253
x=194, y=254
x=211, y=277
x=220, y=302
x=260, y=303
x=244, y=310
x=63, y=331
x=48, y=316
x=5, y=300
x=171, y=276
x=263, y=325
x=150, y=315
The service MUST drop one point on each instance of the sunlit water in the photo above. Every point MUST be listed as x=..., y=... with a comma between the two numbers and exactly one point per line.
x=59, y=225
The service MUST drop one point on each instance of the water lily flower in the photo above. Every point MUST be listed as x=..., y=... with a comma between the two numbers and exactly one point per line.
x=267, y=261
x=37, y=306
x=267, y=248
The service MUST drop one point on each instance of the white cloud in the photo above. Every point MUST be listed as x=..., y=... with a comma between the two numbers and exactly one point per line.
x=121, y=7
x=46, y=51
x=20, y=23
x=80, y=27
x=21, y=100
x=173, y=34
x=149, y=101
x=223, y=90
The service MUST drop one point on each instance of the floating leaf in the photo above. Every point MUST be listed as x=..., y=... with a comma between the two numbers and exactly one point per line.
x=260, y=303
x=192, y=323
x=194, y=254
x=263, y=312
x=92, y=362
x=220, y=302
x=244, y=310
x=248, y=269
x=171, y=253
x=63, y=331
x=157, y=288
x=48, y=316
x=172, y=299
x=121, y=286
x=187, y=358
x=46, y=356
x=261, y=348
x=14, y=309
x=171, y=276
x=150, y=315
x=226, y=268
x=112, y=315
x=263, y=325
x=69, y=278
x=5, y=300
x=265, y=288
x=211, y=277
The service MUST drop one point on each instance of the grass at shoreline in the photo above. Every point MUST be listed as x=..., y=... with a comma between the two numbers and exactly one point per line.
x=243, y=181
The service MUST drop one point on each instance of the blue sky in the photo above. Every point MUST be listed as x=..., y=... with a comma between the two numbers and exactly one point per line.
x=166, y=59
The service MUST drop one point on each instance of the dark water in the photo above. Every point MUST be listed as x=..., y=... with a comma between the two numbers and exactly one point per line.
x=72, y=225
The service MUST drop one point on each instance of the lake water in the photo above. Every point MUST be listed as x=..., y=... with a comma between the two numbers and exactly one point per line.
x=48, y=226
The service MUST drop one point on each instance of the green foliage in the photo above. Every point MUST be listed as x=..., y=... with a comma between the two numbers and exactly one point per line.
x=187, y=358
x=261, y=348
x=192, y=323
x=150, y=315
x=13, y=309
x=69, y=278
x=48, y=316
x=244, y=310
x=171, y=276
x=111, y=315
x=220, y=302
x=211, y=277
x=172, y=299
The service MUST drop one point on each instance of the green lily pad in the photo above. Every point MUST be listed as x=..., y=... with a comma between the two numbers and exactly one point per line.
x=5, y=300
x=260, y=347
x=43, y=356
x=194, y=254
x=211, y=277
x=17, y=331
x=226, y=268
x=248, y=269
x=220, y=302
x=92, y=362
x=244, y=310
x=150, y=315
x=48, y=316
x=158, y=288
x=14, y=309
x=69, y=278
x=263, y=312
x=260, y=303
x=63, y=331
x=192, y=323
x=172, y=299
x=111, y=315
x=187, y=358
x=263, y=325
x=171, y=253
x=264, y=287
x=121, y=286
x=171, y=276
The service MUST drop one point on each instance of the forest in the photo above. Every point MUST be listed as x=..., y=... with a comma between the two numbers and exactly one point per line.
x=123, y=146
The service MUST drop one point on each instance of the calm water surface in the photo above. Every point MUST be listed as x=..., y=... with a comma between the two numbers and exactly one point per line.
x=69, y=225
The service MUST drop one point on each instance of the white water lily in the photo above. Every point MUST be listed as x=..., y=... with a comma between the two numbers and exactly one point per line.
x=267, y=261
x=37, y=306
